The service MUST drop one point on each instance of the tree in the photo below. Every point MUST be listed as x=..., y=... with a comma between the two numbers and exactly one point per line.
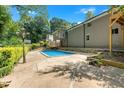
x=89, y=14
x=8, y=27
x=4, y=17
x=59, y=24
x=74, y=24
x=117, y=7
x=32, y=10
x=38, y=28
x=10, y=34
x=35, y=20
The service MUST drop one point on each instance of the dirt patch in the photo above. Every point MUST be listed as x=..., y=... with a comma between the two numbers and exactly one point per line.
x=117, y=57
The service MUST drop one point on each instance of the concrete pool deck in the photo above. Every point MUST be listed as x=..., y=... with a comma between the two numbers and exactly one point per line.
x=25, y=75
x=48, y=63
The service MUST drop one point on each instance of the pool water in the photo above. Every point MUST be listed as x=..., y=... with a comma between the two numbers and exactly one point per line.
x=53, y=53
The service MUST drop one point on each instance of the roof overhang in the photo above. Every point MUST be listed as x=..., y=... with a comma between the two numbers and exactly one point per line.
x=89, y=20
x=96, y=17
x=75, y=27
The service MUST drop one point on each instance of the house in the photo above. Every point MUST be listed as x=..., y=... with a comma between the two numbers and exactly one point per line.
x=58, y=35
x=95, y=33
x=54, y=39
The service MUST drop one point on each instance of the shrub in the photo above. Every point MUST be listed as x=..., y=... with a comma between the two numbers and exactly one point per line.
x=43, y=43
x=4, y=58
x=96, y=60
x=6, y=70
x=35, y=45
x=8, y=57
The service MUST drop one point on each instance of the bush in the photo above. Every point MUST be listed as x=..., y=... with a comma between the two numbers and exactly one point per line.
x=96, y=60
x=35, y=45
x=38, y=45
x=43, y=43
x=6, y=70
x=4, y=58
x=8, y=57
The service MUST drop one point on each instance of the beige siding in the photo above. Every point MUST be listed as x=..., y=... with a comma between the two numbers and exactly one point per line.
x=64, y=41
x=99, y=34
x=76, y=37
x=117, y=38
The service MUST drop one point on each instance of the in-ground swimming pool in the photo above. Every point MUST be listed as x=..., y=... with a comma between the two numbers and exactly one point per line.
x=53, y=53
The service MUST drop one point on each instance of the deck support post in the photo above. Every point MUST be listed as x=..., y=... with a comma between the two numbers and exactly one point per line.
x=116, y=16
x=123, y=36
x=110, y=40
x=111, y=22
x=110, y=36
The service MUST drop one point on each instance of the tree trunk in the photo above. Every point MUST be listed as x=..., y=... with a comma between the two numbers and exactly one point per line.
x=24, y=60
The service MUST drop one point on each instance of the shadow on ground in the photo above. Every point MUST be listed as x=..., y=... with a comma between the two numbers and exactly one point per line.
x=113, y=77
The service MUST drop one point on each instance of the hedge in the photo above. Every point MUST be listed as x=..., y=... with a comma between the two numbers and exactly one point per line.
x=35, y=45
x=39, y=44
x=8, y=57
x=6, y=70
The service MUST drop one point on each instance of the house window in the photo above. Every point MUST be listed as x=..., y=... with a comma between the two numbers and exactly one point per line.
x=87, y=37
x=89, y=24
x=115, y=31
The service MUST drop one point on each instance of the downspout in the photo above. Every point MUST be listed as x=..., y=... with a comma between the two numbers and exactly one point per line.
x=84, y=35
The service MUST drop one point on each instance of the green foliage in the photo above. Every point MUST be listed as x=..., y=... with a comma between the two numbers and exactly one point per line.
x=34, y=20
x=4, y=58
x=118, y=7
x=99, y=63
x=59, y=24
x=8, y=27
x=8, y=57
x=73, y=24
x=96, y=60
x=43, y=43
x=38, y=28
x=32, y=9
x=99, y=58
x=35, y=45
x=89, y=14
x=4, y=17
x=6, y=70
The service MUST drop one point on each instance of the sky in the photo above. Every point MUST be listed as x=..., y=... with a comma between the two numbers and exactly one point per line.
x=70, y=13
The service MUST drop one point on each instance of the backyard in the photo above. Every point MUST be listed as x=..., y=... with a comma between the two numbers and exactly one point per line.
x=38, y=72
x=29, y=60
